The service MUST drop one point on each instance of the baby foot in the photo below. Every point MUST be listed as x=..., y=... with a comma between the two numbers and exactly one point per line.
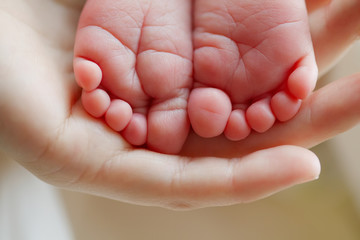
x=253, y=63
x=133, y=60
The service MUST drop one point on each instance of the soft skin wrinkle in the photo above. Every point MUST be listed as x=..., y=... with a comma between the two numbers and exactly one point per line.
x=255, y=52
x=144, y=52
x=240, y=34
x=315, y=112
x=82, y=154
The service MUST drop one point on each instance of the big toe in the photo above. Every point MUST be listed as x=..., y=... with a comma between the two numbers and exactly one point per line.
x=209, y=110
x=168, y=125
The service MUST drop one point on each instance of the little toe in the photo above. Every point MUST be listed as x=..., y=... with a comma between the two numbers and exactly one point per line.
x=259, y=116
x=95, y=102
x=118, y=115
x=88, y=74
x=209, y=110
x=136, y=131
x=284, y=106
x=303, y=79
x=237, y=128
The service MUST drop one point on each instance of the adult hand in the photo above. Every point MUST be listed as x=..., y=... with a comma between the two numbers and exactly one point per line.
x=43, y=125
x=335, y=26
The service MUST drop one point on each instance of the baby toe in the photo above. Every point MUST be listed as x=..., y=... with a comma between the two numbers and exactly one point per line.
x=260, y=116
x=237, y=127
x=284, y=106
x=168, y=126
x=96, y=102
x=303, y=79
x=118, y=115
x=209, y=110
x=88, y=74
x=136, y=131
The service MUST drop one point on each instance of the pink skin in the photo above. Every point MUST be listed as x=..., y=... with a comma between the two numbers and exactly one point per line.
x=253, y=63
x=134, y=61
x=257, y=52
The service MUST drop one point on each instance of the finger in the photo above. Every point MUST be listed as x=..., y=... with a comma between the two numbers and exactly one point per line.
x=313, y=5
x=88, y=158
x=334, y=28
x=208, y=182
x=37, y=99
x=328, y=112
x=148, y=178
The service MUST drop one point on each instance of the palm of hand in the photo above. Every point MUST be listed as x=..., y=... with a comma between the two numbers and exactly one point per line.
x=63, y=145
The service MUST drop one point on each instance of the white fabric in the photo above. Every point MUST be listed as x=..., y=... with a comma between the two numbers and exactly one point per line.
x=29, y=208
